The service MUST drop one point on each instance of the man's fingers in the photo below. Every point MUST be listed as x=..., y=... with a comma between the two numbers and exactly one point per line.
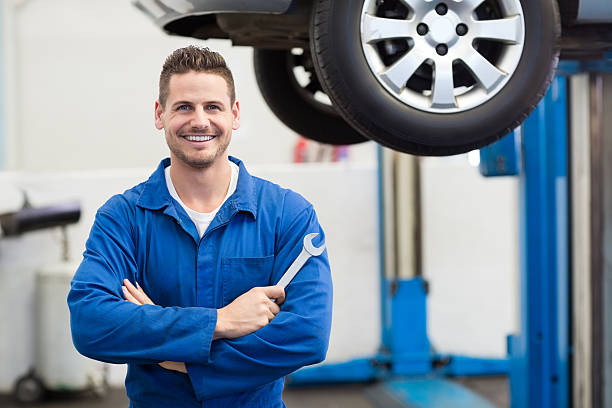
x=129, y=297
x=274, y=308
x=147, y=299
x=134, y=292
x=137, y=293
x=174, y=365
x=275, y=292
x=129, y=286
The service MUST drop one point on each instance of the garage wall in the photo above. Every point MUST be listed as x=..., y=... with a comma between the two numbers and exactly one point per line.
x=470, y=257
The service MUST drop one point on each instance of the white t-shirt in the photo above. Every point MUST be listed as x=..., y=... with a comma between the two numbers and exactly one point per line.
x=203, y=220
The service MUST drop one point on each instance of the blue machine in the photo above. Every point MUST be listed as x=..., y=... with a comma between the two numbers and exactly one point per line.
x=539, y=356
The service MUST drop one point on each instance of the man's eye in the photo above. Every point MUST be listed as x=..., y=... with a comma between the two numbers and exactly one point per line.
x=213, y=107
x=183, y=107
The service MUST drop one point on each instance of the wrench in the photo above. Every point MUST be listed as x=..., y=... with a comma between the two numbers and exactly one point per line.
x=307, y=251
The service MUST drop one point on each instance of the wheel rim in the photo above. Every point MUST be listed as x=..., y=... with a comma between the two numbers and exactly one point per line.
x=305, y=80
x=443, y=56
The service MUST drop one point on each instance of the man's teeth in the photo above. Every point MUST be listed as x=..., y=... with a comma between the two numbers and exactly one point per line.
x=199, y=138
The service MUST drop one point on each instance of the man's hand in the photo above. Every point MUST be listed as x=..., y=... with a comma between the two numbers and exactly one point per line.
x=249, y=312
x=137, y=296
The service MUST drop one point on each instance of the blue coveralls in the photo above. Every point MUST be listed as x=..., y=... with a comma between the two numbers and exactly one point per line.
x=144, y=235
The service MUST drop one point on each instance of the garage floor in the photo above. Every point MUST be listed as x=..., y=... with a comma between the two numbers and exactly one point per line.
x=495, y=389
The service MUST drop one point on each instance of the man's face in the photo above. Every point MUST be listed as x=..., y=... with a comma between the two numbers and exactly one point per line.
x=198, y=118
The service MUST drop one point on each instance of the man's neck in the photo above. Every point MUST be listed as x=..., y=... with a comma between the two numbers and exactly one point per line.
x=202, y=189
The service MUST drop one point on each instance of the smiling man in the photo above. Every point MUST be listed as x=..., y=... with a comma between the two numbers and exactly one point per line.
x=178, y=273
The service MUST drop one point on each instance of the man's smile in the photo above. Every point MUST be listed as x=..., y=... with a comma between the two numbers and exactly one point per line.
x=198, y=138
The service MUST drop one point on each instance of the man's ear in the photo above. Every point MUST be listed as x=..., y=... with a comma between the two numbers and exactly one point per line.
x=236, y=113
x=159, y=123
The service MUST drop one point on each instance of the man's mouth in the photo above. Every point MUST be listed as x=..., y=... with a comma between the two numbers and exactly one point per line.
x=198, y=138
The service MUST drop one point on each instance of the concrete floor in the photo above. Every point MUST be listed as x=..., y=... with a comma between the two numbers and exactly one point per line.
x=495, y=389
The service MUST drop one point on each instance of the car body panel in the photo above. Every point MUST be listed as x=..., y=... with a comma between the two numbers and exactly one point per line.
x=166, y=11
x=594, y=11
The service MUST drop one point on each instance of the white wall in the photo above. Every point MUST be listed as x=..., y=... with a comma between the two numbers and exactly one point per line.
x=470, y=257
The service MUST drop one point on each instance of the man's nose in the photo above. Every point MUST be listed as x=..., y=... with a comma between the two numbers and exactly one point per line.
x=200, y=118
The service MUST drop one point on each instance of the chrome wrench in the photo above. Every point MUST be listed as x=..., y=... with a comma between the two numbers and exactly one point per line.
x=307, y=251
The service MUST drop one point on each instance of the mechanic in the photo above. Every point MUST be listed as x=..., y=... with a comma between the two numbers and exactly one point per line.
x=178, y=272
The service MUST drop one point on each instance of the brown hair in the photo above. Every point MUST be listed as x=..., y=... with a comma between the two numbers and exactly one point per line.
x=199, y=59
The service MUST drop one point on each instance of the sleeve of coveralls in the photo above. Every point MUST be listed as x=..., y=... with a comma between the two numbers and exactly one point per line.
x=105, y=327
x=297, y=336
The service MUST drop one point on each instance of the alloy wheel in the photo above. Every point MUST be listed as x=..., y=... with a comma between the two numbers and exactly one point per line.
x=442, y=56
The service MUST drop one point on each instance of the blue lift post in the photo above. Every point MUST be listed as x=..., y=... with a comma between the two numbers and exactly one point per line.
x=540, y=353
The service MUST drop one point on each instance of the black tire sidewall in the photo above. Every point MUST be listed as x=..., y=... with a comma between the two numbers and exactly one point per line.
x=350, y=83
x=291, y=106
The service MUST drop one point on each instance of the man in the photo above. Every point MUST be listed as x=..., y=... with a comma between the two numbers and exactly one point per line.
x=178, y=273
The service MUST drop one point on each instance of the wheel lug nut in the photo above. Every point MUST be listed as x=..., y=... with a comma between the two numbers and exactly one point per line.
x=462, y=29
x=441, y=49
x=422, y=29
x=441, y=9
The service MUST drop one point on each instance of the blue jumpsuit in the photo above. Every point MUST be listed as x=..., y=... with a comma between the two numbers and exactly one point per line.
x=144, y=235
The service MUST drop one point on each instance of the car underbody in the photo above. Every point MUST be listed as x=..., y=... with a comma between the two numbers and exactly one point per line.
x=291, y=30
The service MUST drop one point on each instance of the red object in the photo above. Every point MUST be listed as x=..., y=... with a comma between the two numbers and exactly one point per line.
x=299, y=151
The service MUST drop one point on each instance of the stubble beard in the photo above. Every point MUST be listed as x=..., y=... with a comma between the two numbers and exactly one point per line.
x=197, y=161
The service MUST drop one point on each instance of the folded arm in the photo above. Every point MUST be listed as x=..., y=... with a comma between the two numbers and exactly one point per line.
x=247, y=313
x=107, y=328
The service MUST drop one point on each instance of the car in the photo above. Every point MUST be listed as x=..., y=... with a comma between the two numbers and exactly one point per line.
x=425, y=77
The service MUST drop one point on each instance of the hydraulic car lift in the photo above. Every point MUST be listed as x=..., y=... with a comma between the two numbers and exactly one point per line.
x=539, y=361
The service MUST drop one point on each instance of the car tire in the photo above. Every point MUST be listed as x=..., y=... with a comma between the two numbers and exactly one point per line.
x=409, y=125
x=296, y=105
